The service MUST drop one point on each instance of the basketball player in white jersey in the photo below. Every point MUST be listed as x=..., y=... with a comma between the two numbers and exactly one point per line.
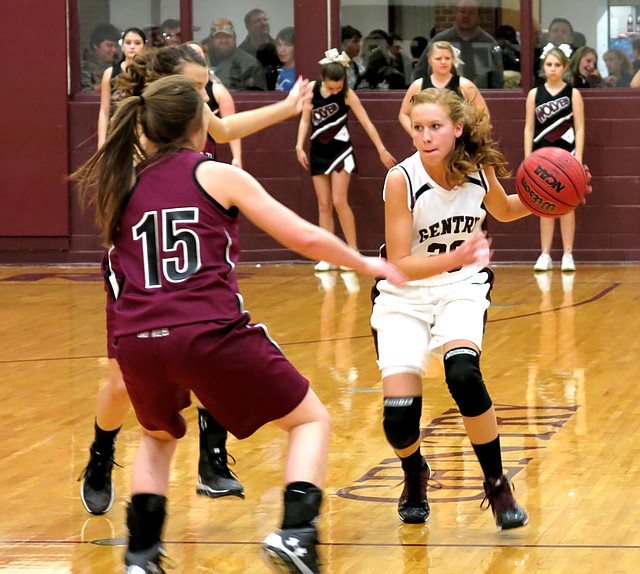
x=435, y=203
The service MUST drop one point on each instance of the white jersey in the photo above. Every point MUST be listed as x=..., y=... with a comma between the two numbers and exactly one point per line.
x=442, y=218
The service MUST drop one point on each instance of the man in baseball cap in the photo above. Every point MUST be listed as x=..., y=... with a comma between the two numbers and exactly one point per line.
x=236, y=69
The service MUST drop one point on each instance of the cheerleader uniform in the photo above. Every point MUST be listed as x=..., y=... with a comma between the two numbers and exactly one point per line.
x=210, y=147
x=453, y=85
x=331, y=147
x=554, y=120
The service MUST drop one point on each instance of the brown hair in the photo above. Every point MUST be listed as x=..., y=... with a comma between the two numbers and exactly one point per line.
x=475, y=148
x=335, y=72
x=153, y=63
x=165, y=114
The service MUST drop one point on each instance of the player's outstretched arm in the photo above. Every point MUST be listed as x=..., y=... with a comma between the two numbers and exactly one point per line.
x=233, y=187
x=242, y=124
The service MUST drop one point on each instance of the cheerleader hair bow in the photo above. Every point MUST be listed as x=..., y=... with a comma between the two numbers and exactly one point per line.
x=565, y=48
x=456, y=57
x=331, y=56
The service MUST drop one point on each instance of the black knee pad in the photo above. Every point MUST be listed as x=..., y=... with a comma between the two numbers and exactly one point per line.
x=402, y=420
x=464, y=379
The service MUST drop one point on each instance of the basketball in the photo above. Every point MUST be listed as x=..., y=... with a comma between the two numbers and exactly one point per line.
x=551, y=182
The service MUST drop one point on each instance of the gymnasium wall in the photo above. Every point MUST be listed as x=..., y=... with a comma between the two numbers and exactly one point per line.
x=608, y=227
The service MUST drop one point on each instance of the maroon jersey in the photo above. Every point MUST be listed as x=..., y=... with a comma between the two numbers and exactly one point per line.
x=177, y=250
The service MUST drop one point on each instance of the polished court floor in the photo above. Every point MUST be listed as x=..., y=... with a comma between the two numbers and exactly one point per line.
x=560, y=359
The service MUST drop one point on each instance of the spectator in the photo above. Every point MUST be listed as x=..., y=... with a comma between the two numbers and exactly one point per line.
x=154, y=36
x=286, y=54
x=619, y=68
x=351, y=45
x=236, y=69
x=635, y=82
x=478, y=49
x=380, y=74
x=583, y=68
x=170, y=32
x=507, y=39
x=101, y=56
x=376, y=39
x=417, y=45
x=261, y=45
x=635, y=50
x=561, y=32
x=536, y=40
x=399, y=60
x=133, y=40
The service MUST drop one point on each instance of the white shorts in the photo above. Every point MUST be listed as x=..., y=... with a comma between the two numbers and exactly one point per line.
x=410, y=322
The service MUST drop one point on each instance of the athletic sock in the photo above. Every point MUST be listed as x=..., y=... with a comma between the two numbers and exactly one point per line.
x=490, y=458
x=413, y=462
x=302, y=502
x=145, y=519
x=104, y=441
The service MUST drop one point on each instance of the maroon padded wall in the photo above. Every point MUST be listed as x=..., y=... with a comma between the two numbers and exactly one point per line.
x=34, y=210
x=608, y=227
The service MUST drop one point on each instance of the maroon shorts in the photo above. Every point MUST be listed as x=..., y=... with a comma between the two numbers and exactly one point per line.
x=238, y=373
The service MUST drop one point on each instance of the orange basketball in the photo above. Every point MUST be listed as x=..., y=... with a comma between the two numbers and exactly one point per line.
x=551, y=182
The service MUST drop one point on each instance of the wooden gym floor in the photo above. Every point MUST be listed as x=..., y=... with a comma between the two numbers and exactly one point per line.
x=561, y=362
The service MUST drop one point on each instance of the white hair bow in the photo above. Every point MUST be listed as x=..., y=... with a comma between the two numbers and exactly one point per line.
x=456, y=57
x=332, y=55
x=564, y=48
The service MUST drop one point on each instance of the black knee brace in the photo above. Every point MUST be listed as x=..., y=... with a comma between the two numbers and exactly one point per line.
x=401, y=420
x=464, y=379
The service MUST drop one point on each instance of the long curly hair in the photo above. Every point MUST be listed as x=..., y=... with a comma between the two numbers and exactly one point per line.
x=475, y=148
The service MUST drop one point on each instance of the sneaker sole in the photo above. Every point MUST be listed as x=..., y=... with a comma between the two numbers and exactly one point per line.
x=415, y=521
x=279, y=559
x=512, y=526
x=94, y=512
x=209, y=492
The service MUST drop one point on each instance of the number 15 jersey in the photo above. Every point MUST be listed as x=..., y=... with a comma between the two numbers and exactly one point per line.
x=177, y=250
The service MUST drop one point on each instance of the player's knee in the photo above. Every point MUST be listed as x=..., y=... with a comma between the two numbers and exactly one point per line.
x=401, y=420
x=464, y=379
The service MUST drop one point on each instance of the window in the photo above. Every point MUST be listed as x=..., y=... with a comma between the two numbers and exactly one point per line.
x=240, y=40
x=601, y=35
x=101, y=25
x=484, y=31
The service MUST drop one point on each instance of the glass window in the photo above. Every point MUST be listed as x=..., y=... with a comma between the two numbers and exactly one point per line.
x=102, y=23
x=393, y=37
x=240, y=40
x=601, y=37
